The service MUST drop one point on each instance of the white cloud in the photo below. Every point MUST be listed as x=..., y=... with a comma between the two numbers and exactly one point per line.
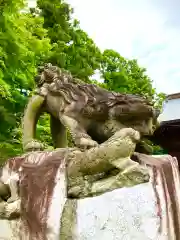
x=31, y=3
x=148, y=30
x=139, y=29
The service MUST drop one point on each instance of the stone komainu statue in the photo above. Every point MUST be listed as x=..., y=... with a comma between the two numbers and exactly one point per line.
x=109, y=124
x=90, y=113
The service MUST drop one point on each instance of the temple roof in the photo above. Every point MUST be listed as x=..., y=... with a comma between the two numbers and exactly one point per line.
x=168, y=134
x=171, y=108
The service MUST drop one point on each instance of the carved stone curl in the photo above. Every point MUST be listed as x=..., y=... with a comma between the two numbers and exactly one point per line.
x=91, y=172
x=106, y=167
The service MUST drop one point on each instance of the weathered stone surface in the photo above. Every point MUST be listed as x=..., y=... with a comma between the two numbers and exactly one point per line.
x=122, y=214
x=108, y=217
x=85, y=169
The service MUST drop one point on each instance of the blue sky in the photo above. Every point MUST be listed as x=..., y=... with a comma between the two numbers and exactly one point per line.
x=148, y=30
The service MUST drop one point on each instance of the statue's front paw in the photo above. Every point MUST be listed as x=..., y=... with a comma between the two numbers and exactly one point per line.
x=128, y=132
x=86, y=143
x=34, y=146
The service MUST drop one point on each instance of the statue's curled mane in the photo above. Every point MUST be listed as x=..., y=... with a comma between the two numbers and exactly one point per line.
x=62, y=83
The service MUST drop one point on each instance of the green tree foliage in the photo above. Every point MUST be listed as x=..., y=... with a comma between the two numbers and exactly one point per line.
x=126, y=76
x=72, y=49
x=123, y=75
x=23, y=45
x=29, y=37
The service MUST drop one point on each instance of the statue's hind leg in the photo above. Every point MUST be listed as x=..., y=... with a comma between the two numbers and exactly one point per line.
x=58, y=132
